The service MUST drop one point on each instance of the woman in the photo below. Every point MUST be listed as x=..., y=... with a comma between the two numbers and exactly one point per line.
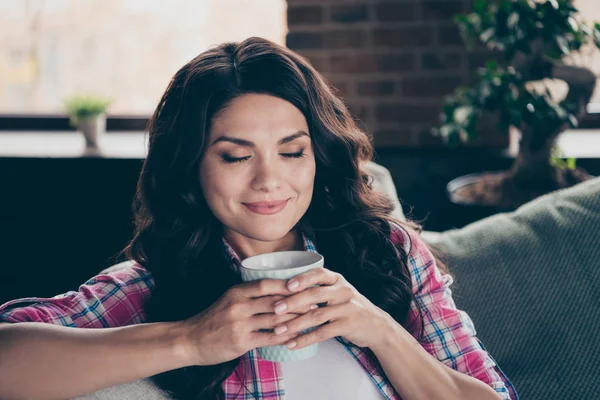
x=252, y=152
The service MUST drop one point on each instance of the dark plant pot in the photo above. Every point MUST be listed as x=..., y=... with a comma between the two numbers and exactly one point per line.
x=462, y=211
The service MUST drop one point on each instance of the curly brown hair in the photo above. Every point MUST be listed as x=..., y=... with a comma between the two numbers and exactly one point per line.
x=177, y=237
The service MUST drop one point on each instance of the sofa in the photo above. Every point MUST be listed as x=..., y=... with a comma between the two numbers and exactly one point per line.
x=529, y=279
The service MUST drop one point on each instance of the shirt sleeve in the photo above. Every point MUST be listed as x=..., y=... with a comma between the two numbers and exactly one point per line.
x=449, y=334
x=104, y=301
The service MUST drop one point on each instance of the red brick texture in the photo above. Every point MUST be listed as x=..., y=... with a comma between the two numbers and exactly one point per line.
x=392, y=61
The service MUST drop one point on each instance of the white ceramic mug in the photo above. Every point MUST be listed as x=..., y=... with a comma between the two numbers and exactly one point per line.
x=282, y=265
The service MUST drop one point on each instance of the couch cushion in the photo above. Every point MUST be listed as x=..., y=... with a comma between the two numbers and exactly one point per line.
x=143, y=389
x=383, y=183
x=530, y=280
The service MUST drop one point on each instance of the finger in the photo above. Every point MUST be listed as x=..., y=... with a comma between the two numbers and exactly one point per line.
x=262, y=339
x=331, y=295
x=270, y=321
x=316, y=276
x=304, y=299
x=263, y=287
x=266, y=304
x=303, y=310
x=312, y=319
x=299, y=310
x=320, y=334
x=261, y=305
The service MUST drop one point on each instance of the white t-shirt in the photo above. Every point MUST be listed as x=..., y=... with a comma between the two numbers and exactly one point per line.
x=332, y=374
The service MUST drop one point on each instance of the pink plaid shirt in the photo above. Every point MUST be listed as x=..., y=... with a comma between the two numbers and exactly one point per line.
x=117, y=299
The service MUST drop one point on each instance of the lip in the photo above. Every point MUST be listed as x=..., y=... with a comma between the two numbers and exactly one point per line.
x=267, y=207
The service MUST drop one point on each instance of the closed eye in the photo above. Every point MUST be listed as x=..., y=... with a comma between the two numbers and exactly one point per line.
x=233, y=160
x=294, y=155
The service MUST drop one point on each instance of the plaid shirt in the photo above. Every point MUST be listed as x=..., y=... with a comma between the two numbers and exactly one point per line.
x=117, y=299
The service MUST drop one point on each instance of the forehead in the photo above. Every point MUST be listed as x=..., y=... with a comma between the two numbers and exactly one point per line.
x=255, y=114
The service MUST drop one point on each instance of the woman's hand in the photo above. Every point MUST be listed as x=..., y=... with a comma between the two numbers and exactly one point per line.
x=347, y=312
x=235, y=323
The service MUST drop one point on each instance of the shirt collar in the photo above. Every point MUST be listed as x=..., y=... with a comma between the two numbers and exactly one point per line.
x=236, y=263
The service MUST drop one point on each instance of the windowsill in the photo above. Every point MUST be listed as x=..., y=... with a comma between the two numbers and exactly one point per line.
x=580, y=144
x=28, y=144
x=575, y=143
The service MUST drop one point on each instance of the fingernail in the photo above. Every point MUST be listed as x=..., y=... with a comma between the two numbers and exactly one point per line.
x=313, y=306
x=280, y=308
x=291, y=345
x=293, y=285
x=281, y=329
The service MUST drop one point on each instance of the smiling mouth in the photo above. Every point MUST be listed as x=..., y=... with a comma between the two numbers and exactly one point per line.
x=266, y=208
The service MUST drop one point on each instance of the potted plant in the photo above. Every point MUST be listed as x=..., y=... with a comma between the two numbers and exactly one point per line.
x=531, y=40
x=88, y=114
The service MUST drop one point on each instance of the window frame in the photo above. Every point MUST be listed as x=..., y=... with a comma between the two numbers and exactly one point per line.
x=60, y=122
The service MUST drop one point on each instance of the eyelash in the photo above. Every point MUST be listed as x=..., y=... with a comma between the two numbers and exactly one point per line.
x=233, y=160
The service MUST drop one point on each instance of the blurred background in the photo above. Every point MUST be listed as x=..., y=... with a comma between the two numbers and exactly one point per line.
x=65, y=208
x=123, y=49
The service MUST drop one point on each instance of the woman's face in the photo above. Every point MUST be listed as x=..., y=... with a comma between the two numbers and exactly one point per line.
x=259, y=151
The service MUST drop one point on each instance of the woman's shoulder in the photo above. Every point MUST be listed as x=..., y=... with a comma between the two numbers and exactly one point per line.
x=110, y=299
x=129, y=274
x=404, y=236
x=422, y=264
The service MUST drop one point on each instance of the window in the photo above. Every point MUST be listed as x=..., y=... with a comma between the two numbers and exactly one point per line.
x=589, y=11
x=126, y=50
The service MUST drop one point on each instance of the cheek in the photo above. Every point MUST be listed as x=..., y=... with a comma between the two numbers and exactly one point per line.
x=304, y=177
x=220, y=187
x=215, y=183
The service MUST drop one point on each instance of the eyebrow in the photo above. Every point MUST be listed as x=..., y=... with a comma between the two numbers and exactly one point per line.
x=247, y=143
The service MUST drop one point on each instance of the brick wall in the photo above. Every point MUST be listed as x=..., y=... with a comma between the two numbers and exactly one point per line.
x=393, y=61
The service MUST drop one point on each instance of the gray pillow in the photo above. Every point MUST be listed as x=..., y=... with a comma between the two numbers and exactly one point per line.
x=530, y=280
x=383, y=183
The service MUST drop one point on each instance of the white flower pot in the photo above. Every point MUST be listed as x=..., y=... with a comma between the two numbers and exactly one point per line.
x=92, y=128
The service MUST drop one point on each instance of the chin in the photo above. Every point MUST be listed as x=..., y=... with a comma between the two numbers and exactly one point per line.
x=268, y=234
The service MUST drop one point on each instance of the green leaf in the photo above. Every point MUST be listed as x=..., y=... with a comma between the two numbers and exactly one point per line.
x=511, y=27
x=463, y=114
x=573, y=122
x=491, y=65
x=446, y=130
x=475, y=21
x=81, y=106
x=573, y=24
x=563, y=45
x=487, y=35
x=597, y=34
x=480, y=6
x=586, y=30
x=513, y=20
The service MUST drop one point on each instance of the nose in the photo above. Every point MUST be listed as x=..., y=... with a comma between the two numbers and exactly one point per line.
x=267, y=176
